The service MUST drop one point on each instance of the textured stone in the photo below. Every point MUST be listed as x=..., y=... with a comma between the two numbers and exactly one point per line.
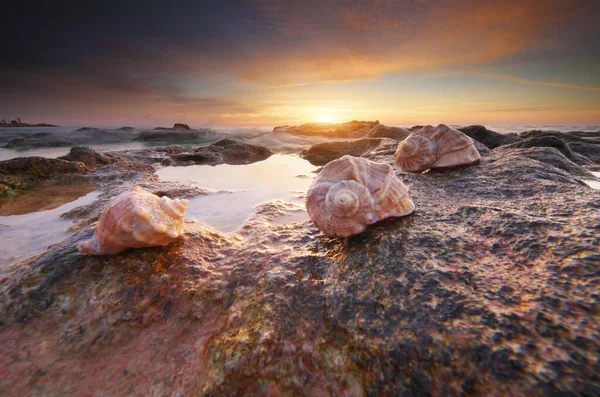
x=490, y=288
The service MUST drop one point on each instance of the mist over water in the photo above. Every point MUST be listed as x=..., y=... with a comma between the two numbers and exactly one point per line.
x=56, y=141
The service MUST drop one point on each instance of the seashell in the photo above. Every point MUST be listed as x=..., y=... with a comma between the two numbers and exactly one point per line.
x=436, y=147
x=351, y=193
x=136, y=219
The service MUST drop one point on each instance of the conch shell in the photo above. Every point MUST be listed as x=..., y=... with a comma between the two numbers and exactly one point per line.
x=136, y=219
x=351, y=193
x=436, y=147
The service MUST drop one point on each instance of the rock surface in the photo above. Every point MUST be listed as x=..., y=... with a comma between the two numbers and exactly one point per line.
x=463, y=297
x=490, y=288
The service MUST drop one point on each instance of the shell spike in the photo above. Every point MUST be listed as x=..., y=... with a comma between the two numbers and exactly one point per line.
x=89, y=246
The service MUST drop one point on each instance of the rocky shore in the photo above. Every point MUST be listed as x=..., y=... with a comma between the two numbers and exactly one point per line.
x=18, y=123
x=489, y=288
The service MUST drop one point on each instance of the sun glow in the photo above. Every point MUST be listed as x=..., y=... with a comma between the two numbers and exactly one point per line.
x=325, y=116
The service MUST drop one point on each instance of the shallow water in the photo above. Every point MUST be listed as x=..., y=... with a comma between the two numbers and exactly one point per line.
x=594, y=184
x=43, y=198
x=25, y=235
x=242, y=187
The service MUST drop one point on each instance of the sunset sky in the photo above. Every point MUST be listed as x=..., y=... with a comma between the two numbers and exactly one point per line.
x=268, y=62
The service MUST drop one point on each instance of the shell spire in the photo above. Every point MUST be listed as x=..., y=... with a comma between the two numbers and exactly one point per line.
x=436, y=147
x=351, y=193
x=136, y=219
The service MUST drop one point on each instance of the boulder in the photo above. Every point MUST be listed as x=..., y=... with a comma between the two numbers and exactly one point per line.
x=584, y=143
x=90, y=157
x=489, y=138
x=323, y=153
x=555, y=142
x=226, y=151
x=383, y=131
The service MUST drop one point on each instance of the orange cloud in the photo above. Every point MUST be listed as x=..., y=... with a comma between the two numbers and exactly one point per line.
x=536, y=82
x=367, y=40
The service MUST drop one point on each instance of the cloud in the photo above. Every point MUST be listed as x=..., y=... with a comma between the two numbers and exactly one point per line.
x=520, y=80
x=364, y=40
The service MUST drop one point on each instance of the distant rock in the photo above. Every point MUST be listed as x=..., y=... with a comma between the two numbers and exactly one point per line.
x=176, y=127
x=489, y=138
x=18, y=123
x=181, y=126
x=352, y=129
x=226, y=151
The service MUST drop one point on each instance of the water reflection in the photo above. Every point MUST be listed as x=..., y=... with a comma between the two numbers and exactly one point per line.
x=280, y=177
x=22, y=236
x=42, y=199
x=594, y=184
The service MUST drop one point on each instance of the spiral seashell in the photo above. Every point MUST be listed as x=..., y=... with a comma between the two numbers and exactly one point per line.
x=351, y=193
x=436, y=147
x=136, y=219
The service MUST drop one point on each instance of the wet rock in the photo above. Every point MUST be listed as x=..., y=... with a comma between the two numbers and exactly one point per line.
x=489, y=138
x=26, y=172
x=383, y=131
x=490, y=288
x=226, y=151
x=322, y=153
x=352, y=129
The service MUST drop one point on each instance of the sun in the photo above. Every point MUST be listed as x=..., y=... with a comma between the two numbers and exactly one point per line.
x=326, y=118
